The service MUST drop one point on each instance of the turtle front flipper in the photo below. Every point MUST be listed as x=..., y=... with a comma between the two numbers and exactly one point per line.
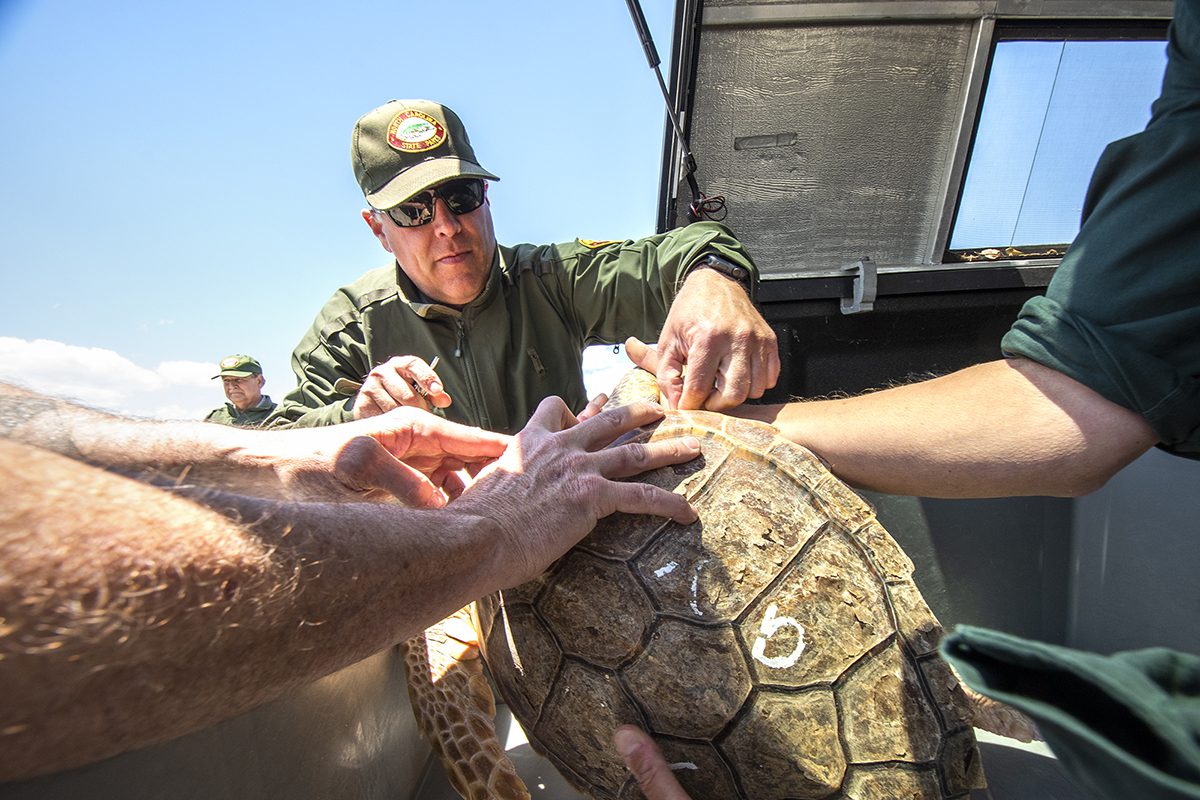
x=455, y=710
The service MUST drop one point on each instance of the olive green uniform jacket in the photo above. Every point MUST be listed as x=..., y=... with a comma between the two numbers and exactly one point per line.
x=250, y=418
x=519, y=342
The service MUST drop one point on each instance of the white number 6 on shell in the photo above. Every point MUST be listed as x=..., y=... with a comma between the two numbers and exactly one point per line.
x=770, y=626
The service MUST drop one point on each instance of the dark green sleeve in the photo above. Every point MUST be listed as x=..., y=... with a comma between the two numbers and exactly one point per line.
x=334, y=347
x=1125, y=726
x=621, y=289
x=1122, y=314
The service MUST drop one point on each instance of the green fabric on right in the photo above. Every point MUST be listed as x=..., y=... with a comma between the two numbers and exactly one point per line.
x=1125, y=726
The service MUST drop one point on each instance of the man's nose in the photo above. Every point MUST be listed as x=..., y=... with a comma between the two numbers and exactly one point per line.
x=445, y=221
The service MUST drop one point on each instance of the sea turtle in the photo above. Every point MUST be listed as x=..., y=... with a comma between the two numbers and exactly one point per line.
x=776, y=648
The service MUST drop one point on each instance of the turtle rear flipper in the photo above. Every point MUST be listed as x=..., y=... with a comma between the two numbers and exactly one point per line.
x=996, y=717
x=456, y=710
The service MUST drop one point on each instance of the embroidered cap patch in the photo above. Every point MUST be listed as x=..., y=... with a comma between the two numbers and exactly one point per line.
x=414, y=132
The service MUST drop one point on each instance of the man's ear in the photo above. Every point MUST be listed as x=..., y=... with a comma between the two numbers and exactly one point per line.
x=261, y=381
x=376, y=225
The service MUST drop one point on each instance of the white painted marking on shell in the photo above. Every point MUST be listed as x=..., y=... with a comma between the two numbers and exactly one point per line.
x=770, y=626
x=696, y=589
x=508, y=639
x=678, y=765
x=668, y=569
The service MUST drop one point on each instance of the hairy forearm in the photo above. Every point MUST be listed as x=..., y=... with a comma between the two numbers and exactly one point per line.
x=176, y=453
x=1003, y=428
x=133, y=615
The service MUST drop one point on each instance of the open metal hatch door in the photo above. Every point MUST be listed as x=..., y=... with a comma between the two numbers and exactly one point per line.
x=839, y=134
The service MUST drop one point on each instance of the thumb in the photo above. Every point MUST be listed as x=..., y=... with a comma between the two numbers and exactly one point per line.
x=408, y=485
x=646, y=762
x=667, y=366
x=642, y=354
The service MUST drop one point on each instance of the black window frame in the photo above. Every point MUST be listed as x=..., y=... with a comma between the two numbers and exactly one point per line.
x=1052, y=30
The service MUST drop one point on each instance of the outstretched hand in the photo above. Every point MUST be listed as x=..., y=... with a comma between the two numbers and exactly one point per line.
x=644, y=759
x=557, y=478
x=715, y=350
x=406, y=454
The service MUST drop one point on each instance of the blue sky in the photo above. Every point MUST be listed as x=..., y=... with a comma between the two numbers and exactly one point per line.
x=1049, y=110
x=176, y=176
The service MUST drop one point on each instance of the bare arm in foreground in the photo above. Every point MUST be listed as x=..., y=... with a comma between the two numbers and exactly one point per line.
x=408, y=455
x=1004, y=428
x=133, y=614
x=1000, y=429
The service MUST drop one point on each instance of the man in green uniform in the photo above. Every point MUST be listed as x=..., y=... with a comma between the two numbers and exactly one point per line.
x=1100, y=369
x=508, y=324
x=243, y=381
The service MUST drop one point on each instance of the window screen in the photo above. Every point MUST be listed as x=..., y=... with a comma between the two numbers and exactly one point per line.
x=1049, y=108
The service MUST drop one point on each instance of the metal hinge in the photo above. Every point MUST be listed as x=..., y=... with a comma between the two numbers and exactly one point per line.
x=862, y=293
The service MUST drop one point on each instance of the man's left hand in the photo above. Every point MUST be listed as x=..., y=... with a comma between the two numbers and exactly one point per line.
x=406, y=454
x=715, y=351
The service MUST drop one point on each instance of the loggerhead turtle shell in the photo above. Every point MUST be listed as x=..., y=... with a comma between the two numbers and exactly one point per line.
x=775, y=648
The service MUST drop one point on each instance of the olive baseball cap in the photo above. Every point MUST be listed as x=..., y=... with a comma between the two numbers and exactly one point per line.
x=405, y=146
x=238, y=366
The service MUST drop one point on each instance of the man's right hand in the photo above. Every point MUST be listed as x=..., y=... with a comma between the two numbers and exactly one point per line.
x=394, y=383
x=557, y=478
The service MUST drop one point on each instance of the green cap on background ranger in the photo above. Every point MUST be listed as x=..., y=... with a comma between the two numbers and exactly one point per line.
x=238, y=366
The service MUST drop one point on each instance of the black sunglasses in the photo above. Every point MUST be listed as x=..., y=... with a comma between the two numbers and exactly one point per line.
x=461, y=196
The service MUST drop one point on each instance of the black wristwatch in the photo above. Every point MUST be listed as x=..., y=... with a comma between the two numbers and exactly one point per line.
x=732, y=271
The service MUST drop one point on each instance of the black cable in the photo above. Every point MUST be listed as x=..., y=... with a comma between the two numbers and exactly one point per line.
x=702, y=206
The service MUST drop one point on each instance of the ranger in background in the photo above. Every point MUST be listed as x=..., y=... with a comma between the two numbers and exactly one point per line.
x=243, y=380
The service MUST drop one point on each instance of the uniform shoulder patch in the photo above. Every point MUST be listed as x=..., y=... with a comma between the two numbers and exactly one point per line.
x=592, y=244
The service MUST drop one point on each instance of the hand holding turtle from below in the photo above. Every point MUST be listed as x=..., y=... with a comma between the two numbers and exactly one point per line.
x=557, y=478
x=594, y=407
x=405, y=454
x=643, y=758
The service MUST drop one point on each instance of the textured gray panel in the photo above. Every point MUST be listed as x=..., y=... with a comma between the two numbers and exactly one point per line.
x=929, y=9
x=830, y=142
x=1135, y=559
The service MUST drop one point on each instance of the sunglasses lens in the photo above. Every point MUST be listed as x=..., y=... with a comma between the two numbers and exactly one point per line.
x=414, y=212
x=462, y=196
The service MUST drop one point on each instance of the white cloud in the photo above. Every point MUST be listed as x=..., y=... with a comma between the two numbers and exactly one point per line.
x=105, y=379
